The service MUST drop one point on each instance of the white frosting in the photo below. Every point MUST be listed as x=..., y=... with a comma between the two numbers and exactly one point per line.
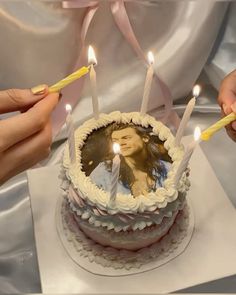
x=125, y=203
x=125, y=239
x=124, y=222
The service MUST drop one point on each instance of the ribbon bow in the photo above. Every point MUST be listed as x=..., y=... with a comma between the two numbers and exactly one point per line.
x=122, y=20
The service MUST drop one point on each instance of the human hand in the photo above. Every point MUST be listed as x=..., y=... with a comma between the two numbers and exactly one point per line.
x=227, y=101
x=25, y=138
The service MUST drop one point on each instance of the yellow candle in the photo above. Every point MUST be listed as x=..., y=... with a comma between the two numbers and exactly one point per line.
x=69, y=79
x=206, y=134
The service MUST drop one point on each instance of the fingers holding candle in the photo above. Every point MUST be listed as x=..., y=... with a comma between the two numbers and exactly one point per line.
x=227, y=100
x=227, y=93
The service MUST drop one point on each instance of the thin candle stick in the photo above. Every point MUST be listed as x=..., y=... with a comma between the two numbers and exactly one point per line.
x=186, y=116
x=93, y=81
x=71, y=134
x=147, y=85
x=184, y=121
x=115, y=174
x=187, y=155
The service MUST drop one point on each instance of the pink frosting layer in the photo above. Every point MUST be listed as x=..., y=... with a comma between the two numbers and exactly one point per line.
x=129, y=240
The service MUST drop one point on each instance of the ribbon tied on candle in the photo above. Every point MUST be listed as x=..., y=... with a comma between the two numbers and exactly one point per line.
x=121, y=18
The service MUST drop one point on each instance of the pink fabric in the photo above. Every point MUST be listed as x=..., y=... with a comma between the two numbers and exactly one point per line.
x=73, y=91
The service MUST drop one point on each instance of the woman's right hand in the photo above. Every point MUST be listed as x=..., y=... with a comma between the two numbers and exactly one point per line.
x=25, y=138
x=227, y=101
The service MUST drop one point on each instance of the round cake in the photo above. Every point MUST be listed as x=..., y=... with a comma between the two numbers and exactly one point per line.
x=147, y=202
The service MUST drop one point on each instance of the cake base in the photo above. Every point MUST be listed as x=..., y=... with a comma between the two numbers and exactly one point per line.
x=108, y=261
x=126, y=240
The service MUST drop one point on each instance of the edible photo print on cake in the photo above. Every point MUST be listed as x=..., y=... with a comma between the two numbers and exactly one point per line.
x=144, y=162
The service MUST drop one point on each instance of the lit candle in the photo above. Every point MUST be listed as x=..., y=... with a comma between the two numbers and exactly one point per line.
x=70, y=134
x=148, y=83
x=93, y=81
x=206, y=134
x=187, y=155
x=69, y=79
x=187, y=114
x=115, y=173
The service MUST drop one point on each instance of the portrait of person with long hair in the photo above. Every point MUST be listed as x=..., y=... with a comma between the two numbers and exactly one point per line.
x=143, y=166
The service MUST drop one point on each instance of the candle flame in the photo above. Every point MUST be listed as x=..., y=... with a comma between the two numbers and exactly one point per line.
x=196, y=90
x=91, y=56
x=68, y=108
x=116, y=148
x=197, y=133
x=150, y=58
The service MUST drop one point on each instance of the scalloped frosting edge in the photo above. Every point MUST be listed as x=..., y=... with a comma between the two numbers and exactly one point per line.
x=125, y=203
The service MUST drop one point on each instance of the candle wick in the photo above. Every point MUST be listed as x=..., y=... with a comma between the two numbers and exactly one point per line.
x=94, y=64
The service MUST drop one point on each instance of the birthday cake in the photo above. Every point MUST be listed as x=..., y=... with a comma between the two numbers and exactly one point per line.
x=133, y=210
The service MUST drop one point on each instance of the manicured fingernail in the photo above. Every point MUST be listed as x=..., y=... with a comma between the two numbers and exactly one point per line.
x=40, y=89
x=224, y=106
x=233, y=107
x=234, y=125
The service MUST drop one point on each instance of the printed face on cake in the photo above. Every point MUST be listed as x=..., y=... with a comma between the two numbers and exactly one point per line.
x=131, y=143
x=144, y=162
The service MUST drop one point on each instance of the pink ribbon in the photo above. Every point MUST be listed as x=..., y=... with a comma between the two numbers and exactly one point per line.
x=72, y=92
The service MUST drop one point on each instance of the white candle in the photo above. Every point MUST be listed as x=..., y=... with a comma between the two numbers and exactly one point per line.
x=115, y=173
x=93, y=81
x=70, y=133
x=187, y=114
x=148, y=83
x=187, y=155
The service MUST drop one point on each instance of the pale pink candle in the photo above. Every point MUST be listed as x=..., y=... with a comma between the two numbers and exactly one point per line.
x=148, y=84
x=70, y=133
x=115, y=173
x=93, y=81
x=187, y=113
x=187, y=155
